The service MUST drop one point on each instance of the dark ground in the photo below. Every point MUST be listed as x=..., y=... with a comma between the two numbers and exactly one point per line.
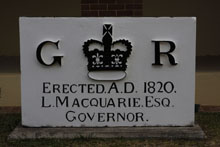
x=209, y=122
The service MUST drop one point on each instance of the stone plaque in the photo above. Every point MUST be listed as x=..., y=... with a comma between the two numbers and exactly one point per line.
x=95, y=72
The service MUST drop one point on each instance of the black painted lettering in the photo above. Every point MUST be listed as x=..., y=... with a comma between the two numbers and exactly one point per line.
x=100, y=117
x=165, y=102
x=136, y=102
x=139, y=115
x=82, y=117
x=91, y=116
x=120, y=116
x=111, y=103
x=145, y=87
x=43, y=103
x=148, y=101
x=168, y=53
x=113, y=87
x=100, y=88
x=56, y=88
x=94, y=102
x=45, y=87
x=65, y=88
x=129, y=102
x=168, y=87
x=83, y=103
x=75, y=103
x=72, y=87
x=110, y=116
x=60, y=102
x=121, y=101
x=91, y=88
x=103, y=102
x=130, y=117
x=70, y=116
x=128, y=87
x=57, y=59
x=157, y=102
x=82, y=87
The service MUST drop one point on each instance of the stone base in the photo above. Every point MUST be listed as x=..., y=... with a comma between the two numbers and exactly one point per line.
x=194, y=132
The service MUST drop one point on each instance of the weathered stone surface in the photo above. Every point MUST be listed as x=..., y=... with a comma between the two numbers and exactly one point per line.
x=75, y=92
x=194, y=132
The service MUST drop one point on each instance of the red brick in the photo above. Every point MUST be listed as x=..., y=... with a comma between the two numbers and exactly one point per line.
x=116, y=6
x=107, y=1
x=209, y=108
x=10, y=109
x=84, y=7
x=89, y=13
x=134, y=6
x=89, y=1
x=124, y=13
x=107, y=13
x=138, y=1
x=98, y=7
x=125, y=1
x=138, y=13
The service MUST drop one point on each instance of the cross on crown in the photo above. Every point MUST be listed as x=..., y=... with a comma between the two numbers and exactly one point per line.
x=112, y=57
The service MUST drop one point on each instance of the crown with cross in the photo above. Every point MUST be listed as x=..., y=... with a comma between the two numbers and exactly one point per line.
x=107, y=54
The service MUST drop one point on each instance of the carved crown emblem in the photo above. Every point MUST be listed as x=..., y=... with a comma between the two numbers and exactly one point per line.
x=107, y=54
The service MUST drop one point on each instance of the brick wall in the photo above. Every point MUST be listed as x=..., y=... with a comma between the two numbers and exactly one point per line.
x=94, y=8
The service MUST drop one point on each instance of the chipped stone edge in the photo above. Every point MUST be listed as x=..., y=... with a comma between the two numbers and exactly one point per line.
x=194, y=132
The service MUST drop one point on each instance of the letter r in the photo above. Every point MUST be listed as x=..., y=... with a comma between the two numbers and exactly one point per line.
x=168, y=53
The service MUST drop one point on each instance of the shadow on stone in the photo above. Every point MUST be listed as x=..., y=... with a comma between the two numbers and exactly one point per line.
x=194, y=132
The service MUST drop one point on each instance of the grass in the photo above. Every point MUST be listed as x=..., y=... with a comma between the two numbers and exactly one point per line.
x=210, y=123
